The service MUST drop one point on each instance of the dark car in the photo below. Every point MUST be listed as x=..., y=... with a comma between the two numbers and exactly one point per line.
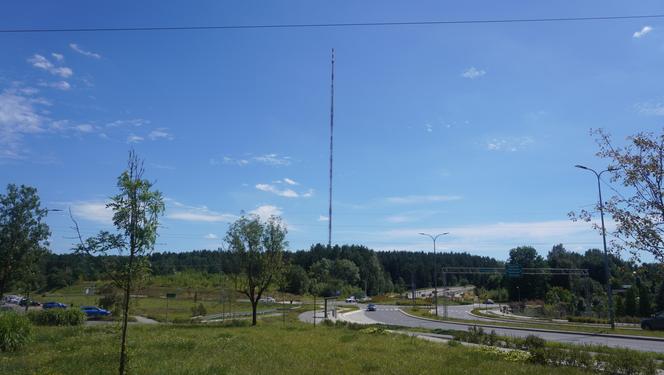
x=371, y=307
x=94, y=312
x=28, y=302
x=54, y=305
x=656, y=322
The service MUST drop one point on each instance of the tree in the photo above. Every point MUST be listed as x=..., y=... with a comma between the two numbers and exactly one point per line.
x=630, y=302
x=530, y=286
x=659, y=302
x=258, y=248
x=23, y=235
x=296, y=280
x=136, y=210
x=638, y=209
x=346, y=271
x=645, y=304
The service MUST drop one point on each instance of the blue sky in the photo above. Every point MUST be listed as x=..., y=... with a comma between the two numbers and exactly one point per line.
x=468, y=129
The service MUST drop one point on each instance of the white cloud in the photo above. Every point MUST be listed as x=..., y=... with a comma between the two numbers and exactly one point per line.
x=85, y=128
x=160, y=133
x=641, y=33
x=493, y=239
x=93, y=211
x=323, y=218
x=652, y=108
x=180, y=211
x=211, y=236
x=41, y=62
x=267, y=159
x=473, y=73
x=290, y=182
x=264, y=212
x=59, y=85
x=414, y=199
x=273, y=159
x=511, y=144
x=19, y=116
x=428, y=127
x=133, y=138
x=288, y=193
x=58, y=56
x=136, y=122
x=83, y=52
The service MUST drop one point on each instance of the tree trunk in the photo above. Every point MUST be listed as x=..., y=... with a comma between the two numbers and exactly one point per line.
x=125, y=313
x=254, y=306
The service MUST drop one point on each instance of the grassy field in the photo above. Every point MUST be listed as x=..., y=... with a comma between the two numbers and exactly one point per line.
x=558, y=327
x=270, y=348
x=150, y=301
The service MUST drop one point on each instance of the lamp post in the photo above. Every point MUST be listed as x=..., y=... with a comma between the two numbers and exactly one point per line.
x=607, y=274
x=435, y=284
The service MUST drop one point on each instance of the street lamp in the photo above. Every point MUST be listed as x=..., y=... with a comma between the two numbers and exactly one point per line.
x=607, y=275
x=435, y=284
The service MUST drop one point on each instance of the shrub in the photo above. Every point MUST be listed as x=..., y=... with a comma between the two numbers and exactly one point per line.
x=57, y=317
x=627, y=362
x=534, y=342
x=15, y=332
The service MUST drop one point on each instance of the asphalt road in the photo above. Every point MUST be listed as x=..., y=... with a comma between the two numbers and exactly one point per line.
x=393, y=316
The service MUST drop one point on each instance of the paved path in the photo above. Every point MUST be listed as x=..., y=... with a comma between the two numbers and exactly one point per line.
x=392, y=317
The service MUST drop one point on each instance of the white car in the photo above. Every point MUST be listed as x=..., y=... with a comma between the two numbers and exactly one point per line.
x=351, y=299
x=268, y=300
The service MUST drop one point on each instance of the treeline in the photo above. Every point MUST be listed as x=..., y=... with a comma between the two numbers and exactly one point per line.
x=353, y=269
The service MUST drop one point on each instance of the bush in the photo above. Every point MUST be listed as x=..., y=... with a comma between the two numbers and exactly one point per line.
x=57, y=317
x=627, y=362
x=534, y=342
x=15, y=331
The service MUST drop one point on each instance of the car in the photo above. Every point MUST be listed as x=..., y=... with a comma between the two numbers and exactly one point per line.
x=655, y=322
x=489, y=302
x=28, y=302
x=371, y=307
x=54, y=305
x=268, y=300
x=94, y=312
x=351, y=299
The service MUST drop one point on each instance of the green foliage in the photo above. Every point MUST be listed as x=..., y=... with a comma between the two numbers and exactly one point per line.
x=23, y=238
x=57, y=317
x=15, y=332
x=626, y=362
x=258, y=248
x=630, y=302
x=645, y=301
x=296, y=280
x=659, y=302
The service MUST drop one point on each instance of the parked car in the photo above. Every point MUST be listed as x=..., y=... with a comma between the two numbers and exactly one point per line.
x=351, y=299
x=489, y=302
x=54, y=305
x=371, y=307
x=268, y=300
x=656, y=322
x=28, y=302
x=94, y=312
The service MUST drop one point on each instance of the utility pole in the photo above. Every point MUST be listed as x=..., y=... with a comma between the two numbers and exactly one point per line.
x=329, y=212
x=607, y=273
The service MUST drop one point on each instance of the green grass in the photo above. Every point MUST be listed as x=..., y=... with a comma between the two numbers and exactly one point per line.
x=152, y=303
x=557, y=327
x=270, y=348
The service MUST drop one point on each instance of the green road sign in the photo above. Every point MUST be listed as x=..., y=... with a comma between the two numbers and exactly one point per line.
x=513, y=270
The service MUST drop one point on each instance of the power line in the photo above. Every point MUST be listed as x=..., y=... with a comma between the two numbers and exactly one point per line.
x=330, y=25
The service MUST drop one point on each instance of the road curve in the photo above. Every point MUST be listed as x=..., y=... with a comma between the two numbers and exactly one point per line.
x=394, y=316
